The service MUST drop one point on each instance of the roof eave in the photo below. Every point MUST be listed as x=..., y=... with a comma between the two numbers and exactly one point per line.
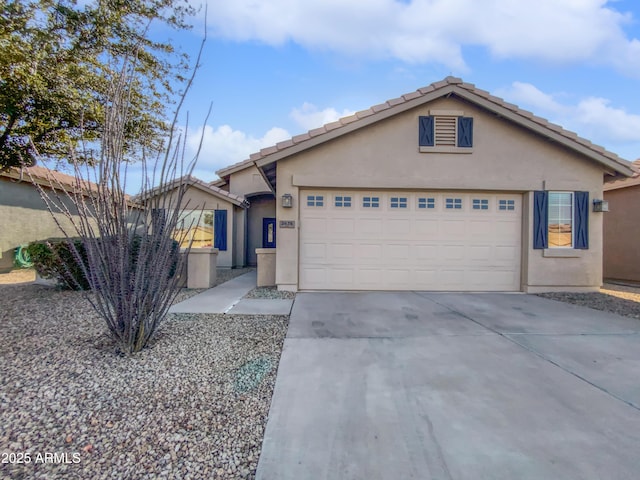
x=347, y=128
x=515, y=117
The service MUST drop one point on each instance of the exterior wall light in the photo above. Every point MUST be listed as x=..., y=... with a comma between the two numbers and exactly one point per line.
x=287, y=200
x=600, y=205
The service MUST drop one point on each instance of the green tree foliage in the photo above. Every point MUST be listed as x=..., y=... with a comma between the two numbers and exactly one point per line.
x=57, y=60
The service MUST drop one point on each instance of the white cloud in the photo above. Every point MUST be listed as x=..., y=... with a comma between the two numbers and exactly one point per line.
x=309, y=117
x=522, y=94
x=592, y=117
x=436, y=30
x=223, y=146
x=606, y=121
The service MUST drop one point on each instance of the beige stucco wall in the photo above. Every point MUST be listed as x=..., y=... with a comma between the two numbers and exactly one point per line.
x=504, y=158
x=622, y=234
x=252, y=185
x=24, y=218
x=247, y=182
x=197, y=199
x=261, y=207
x=239, y=235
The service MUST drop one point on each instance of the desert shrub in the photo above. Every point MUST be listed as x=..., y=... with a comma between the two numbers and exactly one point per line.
x=59, y=259
x=55, y=259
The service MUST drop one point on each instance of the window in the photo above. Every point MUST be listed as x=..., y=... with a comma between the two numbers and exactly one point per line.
x=449, y=129
x=426, y=203
x=398, y=202
x=453, y=203
x=480, y=204
x=560, y=220
x=506, y=205
x=195, y=228
x=560, y=226
x=315, y=200
x=370, y=202
x=342, y=201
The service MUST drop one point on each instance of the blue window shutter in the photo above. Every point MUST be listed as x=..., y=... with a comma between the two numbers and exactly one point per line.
x=581, y=200
x=540, y=219
x=465, y=132
x=426, y=132
x=220, y=229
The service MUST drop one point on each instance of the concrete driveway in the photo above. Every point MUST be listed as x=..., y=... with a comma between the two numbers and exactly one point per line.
x=454, y=386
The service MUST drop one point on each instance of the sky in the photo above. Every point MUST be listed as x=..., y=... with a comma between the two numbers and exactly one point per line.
x=272, y=69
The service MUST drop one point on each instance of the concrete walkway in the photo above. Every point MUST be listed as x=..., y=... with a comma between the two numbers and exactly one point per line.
x=453, y=386
x=227, y=298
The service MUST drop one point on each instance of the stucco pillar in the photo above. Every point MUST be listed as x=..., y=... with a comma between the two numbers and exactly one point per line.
x=201, y=267
x=266, y=267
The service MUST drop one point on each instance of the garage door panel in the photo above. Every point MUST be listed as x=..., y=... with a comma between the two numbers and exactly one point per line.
x=399, y=228
x=451, y=279
x=506, y=229
x=427, y=229
x=314, y=251
x=341, y=226
x=507, y=254
x=426, y=276
x=481, y=229
x=370, y=279
x=399, y=278
x=341, y=277
x=315, y=225
x=314, y=277
x=369, y=226
x=369, y=252
x=452, y=230
x=424, y=246
x=480, y=253
x=425, y=252
x=341, y=251
x=452, y=252
x=396, y=252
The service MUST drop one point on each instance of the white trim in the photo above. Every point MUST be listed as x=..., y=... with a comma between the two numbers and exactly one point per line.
x=446, y=149
x=562, y=252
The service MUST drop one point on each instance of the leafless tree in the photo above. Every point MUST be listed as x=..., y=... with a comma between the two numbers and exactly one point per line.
x=132, y=258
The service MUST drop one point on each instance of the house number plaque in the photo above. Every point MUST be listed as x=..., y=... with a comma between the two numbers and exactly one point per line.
x=287, y=224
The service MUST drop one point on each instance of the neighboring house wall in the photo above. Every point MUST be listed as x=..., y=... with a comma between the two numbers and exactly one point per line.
x=24, y=218
x=504, y=158
x=197, y=200
x=622, y=234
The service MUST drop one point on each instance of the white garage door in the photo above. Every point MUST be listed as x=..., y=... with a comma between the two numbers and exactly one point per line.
x=353, y=240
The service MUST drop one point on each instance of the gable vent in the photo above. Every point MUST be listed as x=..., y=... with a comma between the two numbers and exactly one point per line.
x=445, y=130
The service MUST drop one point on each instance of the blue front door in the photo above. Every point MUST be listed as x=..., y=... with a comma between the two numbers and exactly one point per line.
x=268, y=233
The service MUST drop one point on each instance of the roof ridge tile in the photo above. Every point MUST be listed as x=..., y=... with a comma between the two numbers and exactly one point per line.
x=411, y=96
x=364, y=113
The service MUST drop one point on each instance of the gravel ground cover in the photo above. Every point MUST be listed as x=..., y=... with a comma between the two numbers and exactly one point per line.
x=622, y=300
x=191, y=406
x=270, y=292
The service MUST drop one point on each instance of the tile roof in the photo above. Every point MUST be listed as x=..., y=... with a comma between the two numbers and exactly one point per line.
x=423, y=95
x=625, y=182
x=207, y=187
x=47, y=178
